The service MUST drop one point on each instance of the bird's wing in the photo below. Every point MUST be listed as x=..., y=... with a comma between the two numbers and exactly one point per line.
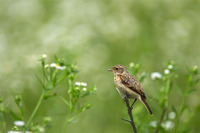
x=130, y=82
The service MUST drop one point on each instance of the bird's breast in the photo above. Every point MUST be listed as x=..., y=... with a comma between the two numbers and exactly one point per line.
x=124, y=90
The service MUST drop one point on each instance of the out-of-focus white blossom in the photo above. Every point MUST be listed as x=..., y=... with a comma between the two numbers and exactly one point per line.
x=166, y=71
x=60, y=67
x=19, y=123
x=42, y=57
x=153, y=123
x=168, y=125
x=28, y=132
x=57, y=66
x=15, y=132
x=195, y=68
x=81, y=84
x=156, y=75
x=172, y=115
x=84, y=89
x=41, y=129
x=170, y=67
x=131, y=64
x=53, y=65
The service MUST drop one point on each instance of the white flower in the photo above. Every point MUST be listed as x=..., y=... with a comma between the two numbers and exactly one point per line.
x=168, y=125
x=60, y=67
x=84, y=89
x=166, y=71
x=28, y=132
x=156, y=75
x=153, y=123
x=14, y=132
x=57, y=66
x=41, y=130
x=131, y=64
x=19, y=123
x=53, y=65
x=172, y=115
x=80, y=83
x=195, y=68
x=44, y=56
x=83, y=84
x=170, y=66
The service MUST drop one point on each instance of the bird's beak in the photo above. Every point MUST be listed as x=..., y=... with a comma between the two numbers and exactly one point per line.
x=110, y=70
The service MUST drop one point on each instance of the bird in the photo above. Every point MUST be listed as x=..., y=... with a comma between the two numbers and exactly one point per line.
x=128, y=86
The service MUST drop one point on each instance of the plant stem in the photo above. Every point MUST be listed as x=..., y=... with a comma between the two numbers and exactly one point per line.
x=161, y=118
x=36, y=109
x=180, y=113
x=131, y=121
x=70, y=106
x=66, y=122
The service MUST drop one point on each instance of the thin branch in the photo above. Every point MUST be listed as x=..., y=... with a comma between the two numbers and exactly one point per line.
x=161, y=119
x=133, y=103
x=130, y=114
x=126, y=120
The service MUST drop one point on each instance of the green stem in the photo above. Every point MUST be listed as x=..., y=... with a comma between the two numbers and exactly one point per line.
x=36, y=109
x=70, y=106
x=66, y=122
x=161, y=119
x=180, y=113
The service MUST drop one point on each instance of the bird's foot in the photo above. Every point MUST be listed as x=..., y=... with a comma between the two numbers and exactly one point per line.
x=133, y=103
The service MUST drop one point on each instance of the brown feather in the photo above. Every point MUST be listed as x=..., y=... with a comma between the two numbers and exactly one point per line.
x=130, y=82
x=146, y=105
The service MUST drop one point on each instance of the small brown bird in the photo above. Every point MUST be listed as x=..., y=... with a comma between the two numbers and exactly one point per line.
x=128, y=86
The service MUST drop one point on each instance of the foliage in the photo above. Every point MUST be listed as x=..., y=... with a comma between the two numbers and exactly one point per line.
x=165, y=82
x=95, y=35
x=52, y=75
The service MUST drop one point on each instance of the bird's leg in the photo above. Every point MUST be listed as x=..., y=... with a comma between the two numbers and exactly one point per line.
x=133, y=103
x=124, y=98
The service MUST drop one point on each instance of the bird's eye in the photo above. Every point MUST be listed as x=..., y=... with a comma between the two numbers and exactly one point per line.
x=116, y=68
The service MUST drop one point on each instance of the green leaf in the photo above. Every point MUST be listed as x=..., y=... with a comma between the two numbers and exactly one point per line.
x=43, y=86
x=18, y=101
x=49, y=95
x=90, y=91
x=186, y=130
x=174, y=109
x=85, y=94
x=84, y=107
x=49, y=87
x=15, y=116
x=193, y=83
x=2, y=99
x=189, y=78
x=143, y=76
x=73, y=119
x=190, y=91
x=180, y=90
x=60, y=78
x=65, y=101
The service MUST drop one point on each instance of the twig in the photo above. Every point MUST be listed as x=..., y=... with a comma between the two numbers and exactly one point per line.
x=161, y=118
x=126, y=120
x=130, y=114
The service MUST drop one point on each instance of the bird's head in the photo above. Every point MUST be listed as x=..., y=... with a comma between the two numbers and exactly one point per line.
x=118, y=69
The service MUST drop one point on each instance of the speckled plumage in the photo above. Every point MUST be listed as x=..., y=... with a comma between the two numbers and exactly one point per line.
x=128, y=86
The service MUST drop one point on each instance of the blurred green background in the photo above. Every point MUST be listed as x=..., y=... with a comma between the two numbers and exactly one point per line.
x=96, y=35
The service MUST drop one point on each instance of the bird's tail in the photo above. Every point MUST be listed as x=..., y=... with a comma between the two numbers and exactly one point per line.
x=146, y=105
